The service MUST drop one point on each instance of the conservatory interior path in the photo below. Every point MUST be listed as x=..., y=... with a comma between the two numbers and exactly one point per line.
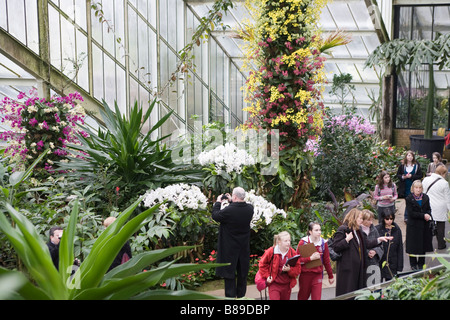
x=328, y=291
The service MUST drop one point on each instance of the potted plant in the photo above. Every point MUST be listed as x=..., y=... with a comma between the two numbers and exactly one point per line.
x=399, y=53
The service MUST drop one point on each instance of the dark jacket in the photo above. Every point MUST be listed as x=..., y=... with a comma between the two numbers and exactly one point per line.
x=350, y=268
x=394, y=248
x=126, y=249
x=418, y=233
x=416, y=175
x=233, y=245
x=54, y=253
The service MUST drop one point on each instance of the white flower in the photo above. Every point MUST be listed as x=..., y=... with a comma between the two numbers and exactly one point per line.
x=182, y=196
x=227, y=157
x=262, y=209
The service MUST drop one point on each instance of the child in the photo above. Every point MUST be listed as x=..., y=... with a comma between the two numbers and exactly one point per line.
x=385, y=194
x=281, y=278
x=310, y=280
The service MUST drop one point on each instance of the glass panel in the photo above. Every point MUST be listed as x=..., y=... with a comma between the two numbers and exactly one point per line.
x=3, y=15
x=108, y=27
x=68, y=48
x=82, y=61
x=342, y=16
x=357, y=48
x=32, y=25
x=422, y=22
x=55, y=42
x=361, y=15
x=68, y=8
x=121, y=88
x=110, y=80
x=132, y=41
x=171, y=124
x=97, y=71
x=441, y=19
x=119, y=33
x=80, y=13
x=17, y=23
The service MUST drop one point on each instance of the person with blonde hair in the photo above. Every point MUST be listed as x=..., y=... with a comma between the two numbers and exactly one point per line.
x=349, y=241
x=437, y=189
x=374, y=253
x=418, y=233
x=280, y=276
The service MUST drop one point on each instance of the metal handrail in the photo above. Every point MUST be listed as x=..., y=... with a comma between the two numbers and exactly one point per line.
x=379, y=286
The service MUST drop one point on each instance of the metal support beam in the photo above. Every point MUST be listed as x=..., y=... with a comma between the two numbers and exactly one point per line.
x=42, y=71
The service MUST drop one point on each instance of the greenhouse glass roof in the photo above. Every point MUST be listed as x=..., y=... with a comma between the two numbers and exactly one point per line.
x=352, y=16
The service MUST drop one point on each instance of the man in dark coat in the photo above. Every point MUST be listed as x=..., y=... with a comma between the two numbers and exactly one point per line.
x=53, y=244
x=233, y=245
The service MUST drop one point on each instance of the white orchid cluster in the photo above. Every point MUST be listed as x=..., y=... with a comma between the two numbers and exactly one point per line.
x=182, y=195
x=226, y=157
x=262, y=209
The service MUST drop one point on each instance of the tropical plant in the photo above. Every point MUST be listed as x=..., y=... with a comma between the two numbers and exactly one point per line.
x=185, y=206
x=133, y=160
x=344, y=148
x=37, y=124
x=91, y=280
x=400, y=53
x=226, y=167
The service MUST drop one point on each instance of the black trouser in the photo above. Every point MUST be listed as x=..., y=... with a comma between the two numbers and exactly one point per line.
x=440, y=236
x=416, y=262
x=236, y=287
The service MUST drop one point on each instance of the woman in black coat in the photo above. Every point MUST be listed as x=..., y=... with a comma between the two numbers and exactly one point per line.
x=418, y=233
x=349, y=241
x=392, y=260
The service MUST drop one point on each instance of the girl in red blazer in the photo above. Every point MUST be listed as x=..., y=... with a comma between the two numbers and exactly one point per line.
x=310, y=280
x=280, y=278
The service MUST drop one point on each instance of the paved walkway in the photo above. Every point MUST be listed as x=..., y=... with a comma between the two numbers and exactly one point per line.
x=329, y=292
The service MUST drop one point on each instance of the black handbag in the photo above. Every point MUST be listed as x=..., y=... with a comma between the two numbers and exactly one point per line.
x=432, y=223
x=433, y=226
x=335, y=256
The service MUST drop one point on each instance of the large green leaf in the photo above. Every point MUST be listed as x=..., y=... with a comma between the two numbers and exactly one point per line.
x=108, y=245
x=34, y=253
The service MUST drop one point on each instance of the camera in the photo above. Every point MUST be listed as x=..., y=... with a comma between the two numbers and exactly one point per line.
x=225, y=197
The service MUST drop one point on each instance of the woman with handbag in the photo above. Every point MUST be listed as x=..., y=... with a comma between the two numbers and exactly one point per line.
x=418, y=232
x=437, y=189
x=280, y=276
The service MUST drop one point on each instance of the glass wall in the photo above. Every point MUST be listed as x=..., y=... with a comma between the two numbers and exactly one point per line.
x=421, y=22
x=129, y=50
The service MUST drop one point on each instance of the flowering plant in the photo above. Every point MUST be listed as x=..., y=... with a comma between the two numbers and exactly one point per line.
x=186, y=206
x=37, y=124
x=353, y=123
x=263, y=212
x=226, y=157
x=226, y=167
x=180, y=196
x=284, y=91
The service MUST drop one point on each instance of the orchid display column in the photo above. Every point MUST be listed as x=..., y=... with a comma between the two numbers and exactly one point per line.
x=285, y=92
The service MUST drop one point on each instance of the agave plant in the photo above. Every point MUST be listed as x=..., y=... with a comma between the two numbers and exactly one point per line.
x=91, y=280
